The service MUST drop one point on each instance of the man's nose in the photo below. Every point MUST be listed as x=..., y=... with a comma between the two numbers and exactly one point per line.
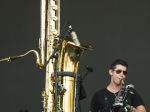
x=121, y=74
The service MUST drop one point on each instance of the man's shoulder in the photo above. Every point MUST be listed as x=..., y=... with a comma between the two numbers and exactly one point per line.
x=101, y=91
x=99, y=95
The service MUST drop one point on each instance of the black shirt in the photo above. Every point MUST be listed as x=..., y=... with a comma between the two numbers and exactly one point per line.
x=98, y=100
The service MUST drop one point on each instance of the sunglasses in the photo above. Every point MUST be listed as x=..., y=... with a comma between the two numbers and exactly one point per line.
x=119, y=71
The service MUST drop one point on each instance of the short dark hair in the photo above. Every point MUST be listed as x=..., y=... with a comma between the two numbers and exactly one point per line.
x=118, y=62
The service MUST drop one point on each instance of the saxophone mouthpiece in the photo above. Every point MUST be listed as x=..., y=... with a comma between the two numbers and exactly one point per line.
x=122, y=81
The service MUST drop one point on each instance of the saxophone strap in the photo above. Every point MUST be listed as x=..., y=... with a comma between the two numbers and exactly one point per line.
x=106, y=103
x=71, y=74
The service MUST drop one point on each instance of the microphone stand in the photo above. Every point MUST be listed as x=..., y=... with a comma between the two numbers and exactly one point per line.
x=54, y=55
x=85, y=75
x=59, y=45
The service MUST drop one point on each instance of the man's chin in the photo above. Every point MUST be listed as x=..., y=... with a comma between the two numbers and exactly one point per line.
x=118, y=83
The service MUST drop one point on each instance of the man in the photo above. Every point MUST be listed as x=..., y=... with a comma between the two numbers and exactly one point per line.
x=104, y=99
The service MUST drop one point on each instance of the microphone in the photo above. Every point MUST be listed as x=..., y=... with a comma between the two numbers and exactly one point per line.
x=69, y=25
x=74, y=35
x=89, y=68
x=75, y=38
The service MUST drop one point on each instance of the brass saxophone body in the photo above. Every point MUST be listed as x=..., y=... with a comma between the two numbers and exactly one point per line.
x=68, y=64
x=123, y=98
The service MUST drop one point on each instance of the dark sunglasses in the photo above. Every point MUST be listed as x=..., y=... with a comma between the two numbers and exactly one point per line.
x=119, y=71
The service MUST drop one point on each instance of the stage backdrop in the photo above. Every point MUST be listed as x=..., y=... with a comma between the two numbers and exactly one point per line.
x=115, y=29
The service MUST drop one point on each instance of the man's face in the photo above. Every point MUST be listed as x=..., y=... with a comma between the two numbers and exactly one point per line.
x=118, y=74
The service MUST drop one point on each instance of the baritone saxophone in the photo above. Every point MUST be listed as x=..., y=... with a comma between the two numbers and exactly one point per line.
x=68, y=61
x=69, y=54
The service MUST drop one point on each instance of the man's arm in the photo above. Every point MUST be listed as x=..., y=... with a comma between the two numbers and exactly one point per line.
x=140, y=108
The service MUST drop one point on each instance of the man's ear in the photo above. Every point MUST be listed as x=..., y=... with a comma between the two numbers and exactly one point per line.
x=110, y=71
